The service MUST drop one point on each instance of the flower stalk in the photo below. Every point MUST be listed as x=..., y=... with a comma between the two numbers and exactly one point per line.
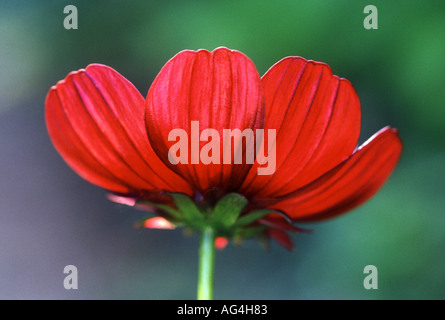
x=206, y=264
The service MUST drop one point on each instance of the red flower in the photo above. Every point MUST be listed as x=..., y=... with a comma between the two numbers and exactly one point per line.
x=114, y=138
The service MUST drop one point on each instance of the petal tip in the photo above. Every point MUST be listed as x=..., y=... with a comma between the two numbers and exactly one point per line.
x=158, y=223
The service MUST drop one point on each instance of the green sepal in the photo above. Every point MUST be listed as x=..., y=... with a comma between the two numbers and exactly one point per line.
x=252, y=217
x=171, y=211
x=186, y=205
x=250, y=231
x=228, y=209
x=225, y=217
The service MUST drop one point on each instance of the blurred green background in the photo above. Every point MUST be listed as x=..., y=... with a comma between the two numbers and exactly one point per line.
x=50, y=218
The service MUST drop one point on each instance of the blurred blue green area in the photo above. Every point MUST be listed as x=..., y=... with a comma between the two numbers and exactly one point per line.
x=49, y=217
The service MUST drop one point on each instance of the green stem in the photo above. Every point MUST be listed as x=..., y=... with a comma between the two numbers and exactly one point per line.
x=206, y=264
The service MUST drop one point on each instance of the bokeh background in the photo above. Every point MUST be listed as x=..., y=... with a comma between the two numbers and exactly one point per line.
x=50, y=218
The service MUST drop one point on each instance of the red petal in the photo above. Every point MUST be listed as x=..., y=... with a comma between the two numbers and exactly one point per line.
x=281, y=237
x=316, y=116
x=221, y=243
x=221, y=90
x=128, y=201
x=158, y=223
x=282, y=224
x=95, y=118
x=350, y=183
